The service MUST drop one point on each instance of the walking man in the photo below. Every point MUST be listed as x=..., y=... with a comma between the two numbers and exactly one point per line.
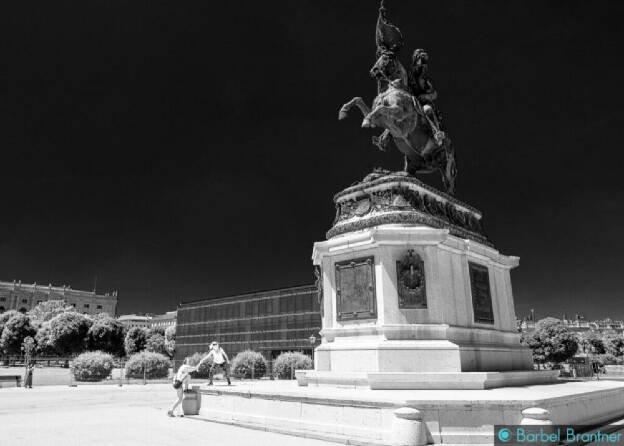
x=29, y=375
x=219, y=359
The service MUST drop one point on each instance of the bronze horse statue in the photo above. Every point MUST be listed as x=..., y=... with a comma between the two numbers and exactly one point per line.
x=413, y=126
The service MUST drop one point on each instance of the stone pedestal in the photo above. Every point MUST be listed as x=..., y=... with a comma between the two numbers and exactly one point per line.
x=412, y=288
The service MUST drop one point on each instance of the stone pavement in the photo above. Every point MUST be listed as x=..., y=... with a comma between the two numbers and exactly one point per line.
x=110, y=415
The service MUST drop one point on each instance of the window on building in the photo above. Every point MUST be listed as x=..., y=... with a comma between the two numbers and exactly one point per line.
x=2, y=299
x=23, y=310
x=86, y=305
x=99, y=307
x=24, y=301
x=2, y=310
x=73, y=305
x=38, y=302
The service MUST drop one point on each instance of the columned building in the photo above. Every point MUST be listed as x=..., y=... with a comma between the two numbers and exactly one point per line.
x=269, y=322
x=135, y=320
x=164, y=320
x=24, y=297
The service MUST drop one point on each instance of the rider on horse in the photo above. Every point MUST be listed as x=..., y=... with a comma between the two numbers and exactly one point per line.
x=424, y=92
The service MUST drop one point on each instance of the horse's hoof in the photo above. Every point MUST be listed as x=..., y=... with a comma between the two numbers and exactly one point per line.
x=342, y=114
x=366, y=123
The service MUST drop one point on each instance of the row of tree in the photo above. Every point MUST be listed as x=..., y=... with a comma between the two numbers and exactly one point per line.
x=552, y=342
x=56, y=329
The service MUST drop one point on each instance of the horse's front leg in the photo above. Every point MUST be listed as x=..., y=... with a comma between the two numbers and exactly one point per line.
x=358, y=102
x=382, y=140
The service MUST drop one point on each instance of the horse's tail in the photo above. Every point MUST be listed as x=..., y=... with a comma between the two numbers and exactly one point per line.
x=449, y=173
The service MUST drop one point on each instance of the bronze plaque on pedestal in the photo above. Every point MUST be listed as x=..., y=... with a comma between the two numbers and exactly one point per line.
x=481, y=296
x=355, y=289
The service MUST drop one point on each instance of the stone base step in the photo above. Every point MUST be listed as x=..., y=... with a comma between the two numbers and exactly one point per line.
x=427, y=381
x=361, y=416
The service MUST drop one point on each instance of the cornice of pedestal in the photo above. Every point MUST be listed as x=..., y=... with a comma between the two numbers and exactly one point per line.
x=390, y=235
x=398, y=235
x=480, y=252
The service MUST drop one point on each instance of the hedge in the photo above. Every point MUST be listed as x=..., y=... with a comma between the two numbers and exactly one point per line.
x=246, y=361
x=156, y=365
x=286, y=364
x=92, y=366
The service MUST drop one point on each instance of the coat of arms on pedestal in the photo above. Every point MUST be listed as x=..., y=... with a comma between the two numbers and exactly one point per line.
x=411, y=281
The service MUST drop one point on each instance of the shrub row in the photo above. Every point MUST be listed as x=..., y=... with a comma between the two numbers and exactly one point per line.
x=97, y=366
x=249, y=363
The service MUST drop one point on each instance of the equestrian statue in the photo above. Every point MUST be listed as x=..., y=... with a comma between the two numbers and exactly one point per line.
x=405, y=107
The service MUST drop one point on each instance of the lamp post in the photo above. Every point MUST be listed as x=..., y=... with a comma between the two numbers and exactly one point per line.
x=312, y=340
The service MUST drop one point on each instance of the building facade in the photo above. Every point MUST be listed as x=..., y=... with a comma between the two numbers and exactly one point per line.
x=580, y=326
x=269, y=322
x=135, y=320
x=164, y=320
x=24, y=297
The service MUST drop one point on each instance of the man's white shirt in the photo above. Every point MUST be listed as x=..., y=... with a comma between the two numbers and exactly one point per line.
x=218, y=356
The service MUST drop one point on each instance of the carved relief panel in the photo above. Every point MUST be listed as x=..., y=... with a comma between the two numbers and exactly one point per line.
x=411, y=281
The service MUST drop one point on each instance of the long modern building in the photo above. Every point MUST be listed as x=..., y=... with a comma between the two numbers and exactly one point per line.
x=269, y=322
x=24, y=297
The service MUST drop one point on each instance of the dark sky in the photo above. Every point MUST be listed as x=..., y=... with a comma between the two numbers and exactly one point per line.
x=181, y=150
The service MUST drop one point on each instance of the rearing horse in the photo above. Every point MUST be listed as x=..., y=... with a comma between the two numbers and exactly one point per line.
x=398, y=112
x=403, y=120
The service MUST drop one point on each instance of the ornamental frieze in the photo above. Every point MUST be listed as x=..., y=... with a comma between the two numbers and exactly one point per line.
x=400, y=203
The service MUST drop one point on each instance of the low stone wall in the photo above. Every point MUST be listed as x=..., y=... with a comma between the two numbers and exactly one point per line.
x=614, y=369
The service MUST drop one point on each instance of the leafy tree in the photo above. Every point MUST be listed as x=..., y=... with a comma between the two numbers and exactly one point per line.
x=135, y=341
x=615, y=345
x=49, y=309
x=43, y=342
x=4, y=317
x=28, y=347
x=170, y=334
x=593, y=343
x=107, y=335
x=550, y=341
x=15, y=330
x=68, y=332
x=156, y=343
x=156, y=330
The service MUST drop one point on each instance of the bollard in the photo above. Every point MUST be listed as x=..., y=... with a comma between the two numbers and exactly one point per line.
x=408, y=428
x=536, y=416
x=191, y=402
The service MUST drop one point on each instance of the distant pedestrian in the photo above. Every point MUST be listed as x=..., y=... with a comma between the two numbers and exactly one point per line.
x=29, y=375
x=181, y=381
x=596, y=369
x=220, y=360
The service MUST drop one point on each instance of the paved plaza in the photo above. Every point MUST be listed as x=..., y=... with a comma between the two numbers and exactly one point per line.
x=111, y=415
